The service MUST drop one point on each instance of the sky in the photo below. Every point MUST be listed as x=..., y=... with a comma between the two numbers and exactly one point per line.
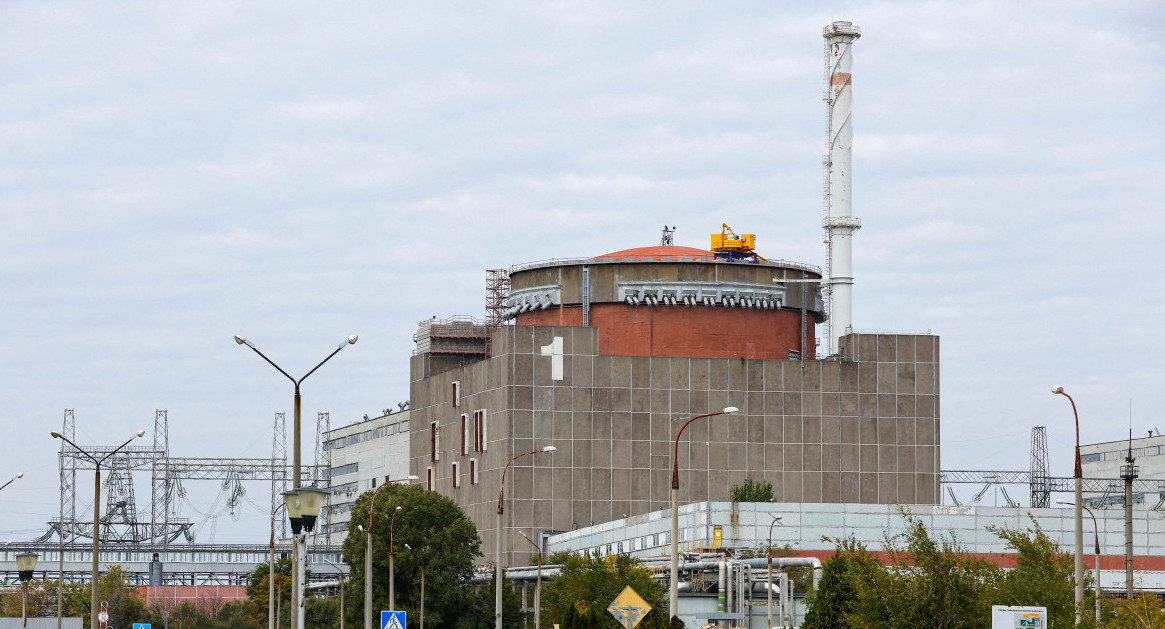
x=173, y=174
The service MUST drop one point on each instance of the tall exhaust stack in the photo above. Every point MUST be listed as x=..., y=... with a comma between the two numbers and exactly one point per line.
x=839, y=222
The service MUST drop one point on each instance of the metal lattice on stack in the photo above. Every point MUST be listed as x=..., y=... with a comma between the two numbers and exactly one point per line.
x=1041, y=487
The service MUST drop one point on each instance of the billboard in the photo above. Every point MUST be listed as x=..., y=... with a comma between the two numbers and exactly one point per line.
x=1013, y=617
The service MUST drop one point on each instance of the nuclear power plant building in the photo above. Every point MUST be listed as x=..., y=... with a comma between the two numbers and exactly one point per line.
x=605, y=359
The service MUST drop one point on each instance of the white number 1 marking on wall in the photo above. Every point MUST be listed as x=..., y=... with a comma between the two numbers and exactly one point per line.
x=554, y=351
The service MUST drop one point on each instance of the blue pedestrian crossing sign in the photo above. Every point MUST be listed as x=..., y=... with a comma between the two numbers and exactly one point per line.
x=141, y=625
x=392, y=620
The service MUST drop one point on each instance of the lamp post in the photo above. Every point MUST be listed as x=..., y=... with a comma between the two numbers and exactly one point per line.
x=538, y=584
x=770, y=551
x=271, y=573
x=391, y=561
x=19, y=475
x=295, y=458
x=498, y=548
x=340, y=574
x=368, y=555
x=93, y=603
x=1078, y=475
x=25, y=564
x=1096, y=542
x=674, y=600
x=303, y=507
x=420, y=558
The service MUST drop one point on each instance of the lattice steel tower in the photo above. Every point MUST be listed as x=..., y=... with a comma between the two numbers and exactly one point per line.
x=1041, y=487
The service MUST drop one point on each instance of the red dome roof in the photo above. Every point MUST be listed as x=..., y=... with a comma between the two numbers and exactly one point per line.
x=656, y=253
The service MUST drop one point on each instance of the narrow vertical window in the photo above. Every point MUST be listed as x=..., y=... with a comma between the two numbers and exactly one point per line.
x=473, y=471
x=429, y=478
x=464, y=433
x=434, y=442
x=456, y=476
x=456, y=393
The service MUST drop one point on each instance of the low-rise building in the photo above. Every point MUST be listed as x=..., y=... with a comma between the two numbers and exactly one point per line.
x=363, y=455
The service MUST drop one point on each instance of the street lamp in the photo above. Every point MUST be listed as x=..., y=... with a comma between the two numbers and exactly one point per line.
x=538, y=585
x=675, y=511
x=271, y=573
x=498, y=549
x=420, y=559
x=1096, y=542
x=368, y=555
x=303, y=507
x=20, y=475
x=770, y=552
x=340, y=575
x=1078, y=475
x=25, y=564
x=295, y=458
x=93, y=604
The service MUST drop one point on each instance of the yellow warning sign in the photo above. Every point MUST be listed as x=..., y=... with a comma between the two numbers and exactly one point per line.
x=629, y=608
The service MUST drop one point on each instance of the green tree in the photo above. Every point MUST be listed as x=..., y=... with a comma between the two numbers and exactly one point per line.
x=440, y=536
x=259, y=589
x=1142, y=612
x=836, y=596
x=752, y=491
x=589, y=584
x=1043, y=575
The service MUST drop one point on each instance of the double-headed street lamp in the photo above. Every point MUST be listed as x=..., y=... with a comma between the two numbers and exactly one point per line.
x=498, y=549
x=295, y=458
x=1096, y=541
x=775, y=520
x=303, y=507
x=368, y=554
x=675, y=512
x=93, y=604
x=25, y=564
x=1078, y=475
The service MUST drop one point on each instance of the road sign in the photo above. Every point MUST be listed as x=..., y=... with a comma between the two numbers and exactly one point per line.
x=103, y=616
x=392, y=620
x=629, y=608
x=141, y=625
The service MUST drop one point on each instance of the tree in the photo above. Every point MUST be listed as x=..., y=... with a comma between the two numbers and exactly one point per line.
x=752, y=491
x=1043, y=575
x=835, y=598
x=1142, y=612
x=259, y=588
x=589, y=584
x=441, y=537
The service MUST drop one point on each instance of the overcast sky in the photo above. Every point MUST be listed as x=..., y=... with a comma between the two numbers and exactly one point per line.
x=172, y=174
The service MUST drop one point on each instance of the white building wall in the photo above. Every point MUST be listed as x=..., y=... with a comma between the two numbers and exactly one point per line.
x=364, y=455
x=803, y=525
x=1105, y=460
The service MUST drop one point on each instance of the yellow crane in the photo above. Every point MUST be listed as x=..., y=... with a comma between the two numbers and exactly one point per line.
x=727, y=244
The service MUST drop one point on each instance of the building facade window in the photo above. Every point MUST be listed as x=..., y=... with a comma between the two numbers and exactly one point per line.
x=429, y=478
x=456, y=475
x=456, y=393
x=473, y=472
x=434, y=442
x=480, y=431
x=464, y=434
